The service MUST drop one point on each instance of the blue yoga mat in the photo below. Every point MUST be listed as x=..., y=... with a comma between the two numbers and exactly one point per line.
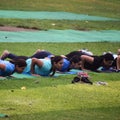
x=61, y=36
x=51, y=15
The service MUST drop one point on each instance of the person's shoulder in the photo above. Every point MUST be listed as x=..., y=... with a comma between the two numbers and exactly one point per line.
x=45, y=60
x=29, y=59
x=5, y=62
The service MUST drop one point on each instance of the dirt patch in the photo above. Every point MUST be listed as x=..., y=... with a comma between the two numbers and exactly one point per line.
x=16, y=29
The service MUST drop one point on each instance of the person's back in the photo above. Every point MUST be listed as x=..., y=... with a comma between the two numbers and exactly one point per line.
x=44, y=70
x=78, y=53
x=93, y=66
x=41, y=54
x=73, y=53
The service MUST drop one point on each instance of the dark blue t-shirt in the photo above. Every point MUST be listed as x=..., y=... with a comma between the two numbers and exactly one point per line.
x=66, y=65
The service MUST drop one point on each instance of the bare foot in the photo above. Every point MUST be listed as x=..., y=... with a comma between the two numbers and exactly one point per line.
x=4, y=54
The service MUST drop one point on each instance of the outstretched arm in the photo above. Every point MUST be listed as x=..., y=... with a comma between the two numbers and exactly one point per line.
x=118, y=62
x=37, y=62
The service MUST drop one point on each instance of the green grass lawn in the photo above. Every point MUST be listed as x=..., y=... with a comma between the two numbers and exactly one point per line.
x=56, y=98
x=104, y=8
x=59, y=48
x=108, y=8
x=61, y=24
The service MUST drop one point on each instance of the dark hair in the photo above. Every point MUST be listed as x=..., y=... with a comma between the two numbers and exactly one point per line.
x=22, y=57
x=108, y=56
x=73, y=53
x=55, y=59
x=19, y=62
x=75, y=59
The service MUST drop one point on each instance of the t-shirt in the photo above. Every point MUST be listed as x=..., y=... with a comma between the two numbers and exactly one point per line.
x=95, y=65
x=66, y=65
x=9, y=68
x=43, y=71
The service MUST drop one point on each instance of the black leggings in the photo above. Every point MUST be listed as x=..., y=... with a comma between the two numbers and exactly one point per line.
x=39, y=55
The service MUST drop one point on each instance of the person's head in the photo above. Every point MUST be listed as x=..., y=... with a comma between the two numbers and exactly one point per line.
x=75, y=62
x=57, y=62
x=108, y=59
x=20, y=64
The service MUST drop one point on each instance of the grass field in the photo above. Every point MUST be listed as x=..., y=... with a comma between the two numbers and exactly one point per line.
x=56, y=98
x=104, y=8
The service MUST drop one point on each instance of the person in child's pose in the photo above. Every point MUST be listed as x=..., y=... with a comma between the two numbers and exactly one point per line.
x=43, y=67
x=7, y=68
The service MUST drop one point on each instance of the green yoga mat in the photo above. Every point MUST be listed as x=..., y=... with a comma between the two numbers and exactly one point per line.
x=21, y=76
x=61, y=36
x=17, y=76
x=3, y=115
x=51, y=15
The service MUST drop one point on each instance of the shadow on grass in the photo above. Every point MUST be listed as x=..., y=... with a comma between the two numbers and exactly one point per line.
x=110, y=113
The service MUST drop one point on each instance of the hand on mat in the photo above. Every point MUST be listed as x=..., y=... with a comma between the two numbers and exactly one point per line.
x=35, y=75
x=2, y=77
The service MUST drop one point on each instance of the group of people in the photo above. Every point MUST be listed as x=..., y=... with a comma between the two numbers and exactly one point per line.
x=44, y=63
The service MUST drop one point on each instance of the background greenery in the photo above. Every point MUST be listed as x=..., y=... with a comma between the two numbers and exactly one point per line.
x=56, y=98
x=104, y=8
x=108, y=8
